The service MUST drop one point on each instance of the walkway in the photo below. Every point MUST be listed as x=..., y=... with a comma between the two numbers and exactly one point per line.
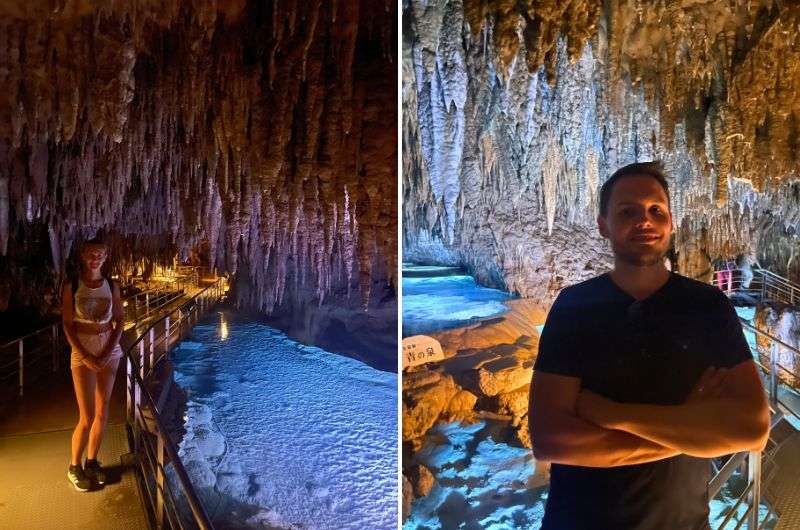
x=35, y=437
x=781, y=460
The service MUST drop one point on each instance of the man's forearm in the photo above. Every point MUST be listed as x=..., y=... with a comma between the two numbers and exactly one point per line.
x=705, y=429
x=574, y=441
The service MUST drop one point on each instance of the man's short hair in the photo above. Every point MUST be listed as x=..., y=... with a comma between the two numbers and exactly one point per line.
x=653, y=169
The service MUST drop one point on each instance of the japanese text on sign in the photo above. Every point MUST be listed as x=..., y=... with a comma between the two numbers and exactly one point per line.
x=421, y=349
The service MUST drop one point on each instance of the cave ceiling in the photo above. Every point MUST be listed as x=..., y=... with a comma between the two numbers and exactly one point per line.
x=253, y=133
x=516, y=112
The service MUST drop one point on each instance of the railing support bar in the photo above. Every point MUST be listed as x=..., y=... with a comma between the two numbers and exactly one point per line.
x=54, y=338
x=773, y=375
x=160, y=481
x=21, y=352
x=754, y=476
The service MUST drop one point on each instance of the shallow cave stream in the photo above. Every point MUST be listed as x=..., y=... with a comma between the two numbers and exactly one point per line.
x=438, y=297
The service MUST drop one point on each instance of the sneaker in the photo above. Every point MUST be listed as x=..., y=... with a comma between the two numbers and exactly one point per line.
x=79, y=478
x=95, y=472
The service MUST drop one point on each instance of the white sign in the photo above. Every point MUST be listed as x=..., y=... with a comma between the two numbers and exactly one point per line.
x=421, y=349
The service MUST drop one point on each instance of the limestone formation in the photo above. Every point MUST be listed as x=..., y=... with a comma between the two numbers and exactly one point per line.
x=523, y=433
x=514, y=402
x=421, y=479
x=504, y=375
x=426, y=395
x=257, y=134
x=784, y=325
x=515, y=113
x=488, y=371
x=408, y=497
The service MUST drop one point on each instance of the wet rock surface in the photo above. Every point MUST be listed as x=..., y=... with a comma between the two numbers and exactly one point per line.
x=783, y=323
x=482, y=385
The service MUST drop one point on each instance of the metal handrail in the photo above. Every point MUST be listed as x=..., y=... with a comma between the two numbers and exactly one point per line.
x=29, y=335
x=22, y=352
x=752, y=491
x=770, y=283
x=141, y=360
x=153, y=305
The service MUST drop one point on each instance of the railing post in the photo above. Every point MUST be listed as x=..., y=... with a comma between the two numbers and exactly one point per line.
x=763, y=286
x=21, y=366
x=137, y=398
x=773, y=374
x=167, y=329
x=152, y=351
x=754, y=476
x=147, y=303
x=54, y=336
x=129, y=391
x=143, y=357
x=160, y=481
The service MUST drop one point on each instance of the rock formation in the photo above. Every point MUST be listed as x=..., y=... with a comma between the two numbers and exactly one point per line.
x=783, y=323
x=257, y=134
x=488, y=370
x=515, y=113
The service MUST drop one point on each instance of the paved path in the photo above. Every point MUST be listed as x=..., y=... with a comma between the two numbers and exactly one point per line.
x=35, y=437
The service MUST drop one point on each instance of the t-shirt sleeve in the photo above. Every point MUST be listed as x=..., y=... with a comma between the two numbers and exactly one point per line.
x=558, y=353
x=732, y=345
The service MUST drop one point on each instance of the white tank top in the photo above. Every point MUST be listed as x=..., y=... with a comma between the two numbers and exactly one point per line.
x=93, y=306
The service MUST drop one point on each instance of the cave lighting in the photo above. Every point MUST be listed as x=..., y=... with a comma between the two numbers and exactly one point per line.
x=223, y=326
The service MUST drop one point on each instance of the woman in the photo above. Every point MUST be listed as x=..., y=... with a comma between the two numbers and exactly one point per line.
x=93, y=324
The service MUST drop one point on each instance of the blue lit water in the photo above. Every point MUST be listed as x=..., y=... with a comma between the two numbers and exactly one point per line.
x=441, y=302
x=305, y=438
x=481, y=484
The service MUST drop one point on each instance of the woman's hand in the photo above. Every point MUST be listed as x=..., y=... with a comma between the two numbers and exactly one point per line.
x=92, y=363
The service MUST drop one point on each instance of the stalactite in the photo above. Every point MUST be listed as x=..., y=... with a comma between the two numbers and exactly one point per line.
x=550, y=172
x=235, y=127
x=712, y=89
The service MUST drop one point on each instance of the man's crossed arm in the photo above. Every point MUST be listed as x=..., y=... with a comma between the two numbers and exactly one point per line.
x=726, y=412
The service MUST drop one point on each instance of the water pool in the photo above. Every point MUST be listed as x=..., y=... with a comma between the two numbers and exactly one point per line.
x=284, y=435
x=438, y=302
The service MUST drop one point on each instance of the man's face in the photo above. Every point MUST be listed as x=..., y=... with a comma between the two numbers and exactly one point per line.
x=638, y=221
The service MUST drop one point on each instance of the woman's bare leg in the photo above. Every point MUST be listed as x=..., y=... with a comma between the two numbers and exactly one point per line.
x=84, y=381
x=105, y=384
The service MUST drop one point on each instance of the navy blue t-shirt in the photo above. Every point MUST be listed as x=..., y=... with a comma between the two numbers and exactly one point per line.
x=650, y=351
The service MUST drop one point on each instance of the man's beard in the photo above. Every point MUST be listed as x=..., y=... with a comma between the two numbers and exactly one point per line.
x=645, y=258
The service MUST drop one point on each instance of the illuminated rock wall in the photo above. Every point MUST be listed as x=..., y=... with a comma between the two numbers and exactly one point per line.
x=513, y=119
x=258, y=134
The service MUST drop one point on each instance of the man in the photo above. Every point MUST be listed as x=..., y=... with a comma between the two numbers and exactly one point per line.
x=642, y=376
